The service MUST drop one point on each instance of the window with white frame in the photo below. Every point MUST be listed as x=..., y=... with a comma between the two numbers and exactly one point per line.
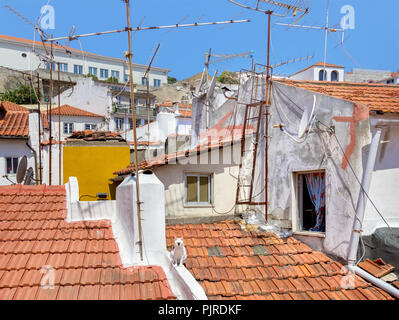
x=144, y=81
x=77, y=69
x=115, y=74
x=64, y=67
x=126, y=77
x=197, y=189
x=47, y=65
x=311, y=201
x=90, y=126
x=104, y=73
x=119, y=123
x=157, y=82
x=68, y=127
x=12, y=165
x=93, y=71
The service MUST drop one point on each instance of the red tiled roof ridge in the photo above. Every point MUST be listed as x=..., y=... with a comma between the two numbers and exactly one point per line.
x=337, y=83
x=13, y=107
x=376, y=96
x=68, y=110
x=14, y=121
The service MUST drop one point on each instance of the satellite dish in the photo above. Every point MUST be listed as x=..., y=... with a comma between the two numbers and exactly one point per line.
x=304, y=126
x=306, y=119
x=28, y=176
x=21, y=170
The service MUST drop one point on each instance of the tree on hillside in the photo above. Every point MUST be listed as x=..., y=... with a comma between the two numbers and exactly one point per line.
x=171, y=80
x=227, y=77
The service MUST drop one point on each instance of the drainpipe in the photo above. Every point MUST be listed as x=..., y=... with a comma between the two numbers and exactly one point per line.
x=35, y=157
x=361, y=205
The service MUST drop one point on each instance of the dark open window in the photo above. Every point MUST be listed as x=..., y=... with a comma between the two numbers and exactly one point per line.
x=311, y=201
x=322, y=75
x=334, y=76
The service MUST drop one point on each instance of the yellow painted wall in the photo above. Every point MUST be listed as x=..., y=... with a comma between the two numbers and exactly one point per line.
x=94, y=166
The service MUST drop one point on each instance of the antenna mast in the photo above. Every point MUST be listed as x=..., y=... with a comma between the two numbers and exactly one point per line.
x=147, y=75
x=280, y=9
x=326, y=28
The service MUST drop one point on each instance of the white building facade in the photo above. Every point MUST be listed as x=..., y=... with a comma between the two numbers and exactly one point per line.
x=27, y=55
x=315, y=73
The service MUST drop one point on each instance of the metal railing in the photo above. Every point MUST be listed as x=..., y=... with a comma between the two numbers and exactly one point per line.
x=139, y=110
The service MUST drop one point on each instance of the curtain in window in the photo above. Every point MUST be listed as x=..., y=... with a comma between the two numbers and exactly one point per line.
x=316, y=187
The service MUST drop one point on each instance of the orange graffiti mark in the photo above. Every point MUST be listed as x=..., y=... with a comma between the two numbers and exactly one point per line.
x=360, y=112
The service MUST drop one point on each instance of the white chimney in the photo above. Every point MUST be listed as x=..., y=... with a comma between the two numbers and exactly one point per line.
x=166, y=124
x=126, y=228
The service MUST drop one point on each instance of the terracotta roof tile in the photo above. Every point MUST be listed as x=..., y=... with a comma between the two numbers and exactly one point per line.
x=249, y=265
x=379, y=97
x=14, y=120
x=378, y=268
x=35, y=240
x=67, y=110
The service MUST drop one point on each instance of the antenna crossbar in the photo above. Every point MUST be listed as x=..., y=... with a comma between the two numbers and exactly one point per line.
x=74, y=37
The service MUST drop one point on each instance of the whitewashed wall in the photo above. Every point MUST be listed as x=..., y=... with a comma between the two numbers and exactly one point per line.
x=13, y=148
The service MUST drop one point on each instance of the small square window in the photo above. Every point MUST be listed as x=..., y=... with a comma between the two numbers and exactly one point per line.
x=77, y=69
x=90, y=126
x=157, y=82
x=68, y=128
x=12, y=165
x=119, y=123
x=198, y=189
x=104, y=73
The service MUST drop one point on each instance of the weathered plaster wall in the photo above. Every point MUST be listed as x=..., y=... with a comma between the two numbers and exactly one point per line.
x=223, y=186
x=288, y=157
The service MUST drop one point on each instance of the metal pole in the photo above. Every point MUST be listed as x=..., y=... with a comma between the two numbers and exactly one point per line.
x=325, y=44
x=134, y=128
x=197, y=24
x=50, y=103
x=148, y=108
x=269, y=13
x=39, y=120
x=59, y=126
x=361, y=204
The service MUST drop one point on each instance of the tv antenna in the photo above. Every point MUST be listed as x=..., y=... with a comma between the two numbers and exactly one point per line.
x=292, y=61
x=327, y=28
x=281, y=8
x=129, y=56
x=223, y=57
x=147, y=76
x=304, y=126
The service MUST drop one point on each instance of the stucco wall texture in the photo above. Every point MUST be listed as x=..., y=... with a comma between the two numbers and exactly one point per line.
x=320, y=151
x=94, y=166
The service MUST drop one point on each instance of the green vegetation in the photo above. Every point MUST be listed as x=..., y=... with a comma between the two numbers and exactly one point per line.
x=227, y=77
x=171, y=80
x=22, y=95
x=112, y=80
x=91, y=76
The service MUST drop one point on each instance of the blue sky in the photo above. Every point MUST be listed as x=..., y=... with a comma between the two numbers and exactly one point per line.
x=373, y=44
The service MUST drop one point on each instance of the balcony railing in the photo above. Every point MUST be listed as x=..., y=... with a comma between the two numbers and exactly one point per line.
x=139, y=110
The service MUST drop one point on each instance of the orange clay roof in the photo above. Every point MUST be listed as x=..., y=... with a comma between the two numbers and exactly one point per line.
x=84, y=255
x=378, y=97
x=67, y=110
x=14, y=120
x=230, y=263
